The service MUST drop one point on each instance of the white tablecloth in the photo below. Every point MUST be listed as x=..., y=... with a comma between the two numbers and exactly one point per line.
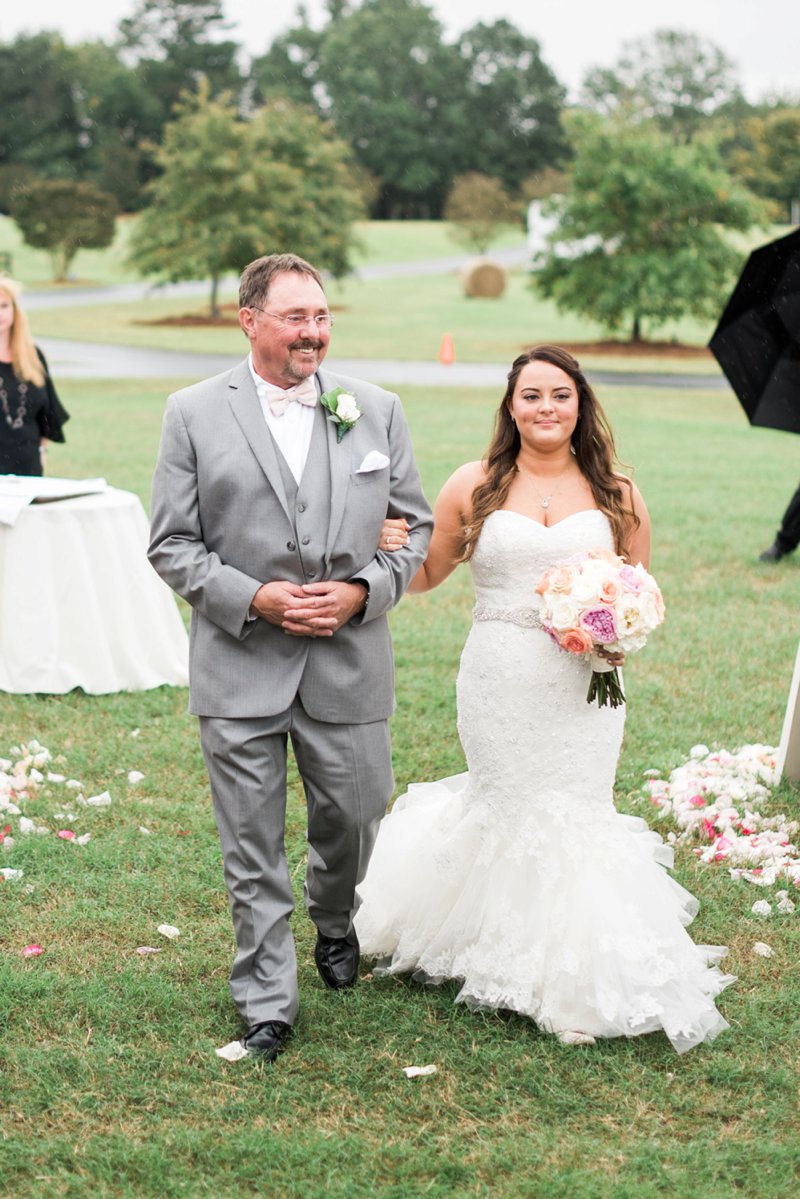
x=80, y=605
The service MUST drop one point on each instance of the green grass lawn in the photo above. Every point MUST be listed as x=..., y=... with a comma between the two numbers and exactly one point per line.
x=110, y=1082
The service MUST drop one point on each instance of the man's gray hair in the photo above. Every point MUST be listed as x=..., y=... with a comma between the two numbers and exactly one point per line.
x=257, y=276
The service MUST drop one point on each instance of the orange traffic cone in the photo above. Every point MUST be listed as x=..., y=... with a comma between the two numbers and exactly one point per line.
x=447, y=351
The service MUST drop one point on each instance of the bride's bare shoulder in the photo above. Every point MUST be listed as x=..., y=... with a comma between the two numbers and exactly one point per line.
x=467, y=477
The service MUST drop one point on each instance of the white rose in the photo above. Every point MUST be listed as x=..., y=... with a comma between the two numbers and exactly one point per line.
x=629, y=616
x=347, y=408
x=563, y=612
x=585, y=586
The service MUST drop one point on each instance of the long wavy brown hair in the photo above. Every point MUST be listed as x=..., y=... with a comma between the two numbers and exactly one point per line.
x=592, y=441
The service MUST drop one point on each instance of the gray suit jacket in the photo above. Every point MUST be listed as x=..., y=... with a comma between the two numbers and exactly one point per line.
x=222, y=525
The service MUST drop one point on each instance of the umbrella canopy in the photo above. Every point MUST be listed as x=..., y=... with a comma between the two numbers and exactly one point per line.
x=757, y=340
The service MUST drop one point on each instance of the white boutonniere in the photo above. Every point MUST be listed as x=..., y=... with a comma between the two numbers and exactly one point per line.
x=342, y=408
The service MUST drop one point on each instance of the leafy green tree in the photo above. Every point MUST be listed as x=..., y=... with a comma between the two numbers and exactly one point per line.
x=478, y=207
x=396, y=96
x=40, y=126
x=119, y=120
x=62, y=217
x=512, y=102
x=766, y=155
x=674, y=78
x=290, y=67
x=232, y=189
x=175, y=43
x=644, y=223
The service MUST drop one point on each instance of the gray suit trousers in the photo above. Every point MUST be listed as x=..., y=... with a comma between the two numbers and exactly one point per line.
x=347, y=776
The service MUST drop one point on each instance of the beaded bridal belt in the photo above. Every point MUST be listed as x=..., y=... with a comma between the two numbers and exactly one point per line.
x=527, y=618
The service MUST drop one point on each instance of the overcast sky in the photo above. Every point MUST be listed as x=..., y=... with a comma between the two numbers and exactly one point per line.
x=761, y=36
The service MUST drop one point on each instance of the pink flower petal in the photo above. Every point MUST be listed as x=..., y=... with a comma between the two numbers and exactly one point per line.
x=32, y=951
x=66, y=834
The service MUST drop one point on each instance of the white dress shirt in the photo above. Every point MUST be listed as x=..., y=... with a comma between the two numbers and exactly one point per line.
x=292, y=430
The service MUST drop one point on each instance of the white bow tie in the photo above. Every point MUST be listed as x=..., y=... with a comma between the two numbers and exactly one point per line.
x=280, y=399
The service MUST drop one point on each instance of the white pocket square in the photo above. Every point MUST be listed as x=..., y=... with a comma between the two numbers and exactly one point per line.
x=374, y=460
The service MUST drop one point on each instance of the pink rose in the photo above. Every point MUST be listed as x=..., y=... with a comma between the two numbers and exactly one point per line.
x=544, y=582
x=561, y=578
x=610, y=591
x=605, y=556
x=576, y=641
x=629, y=578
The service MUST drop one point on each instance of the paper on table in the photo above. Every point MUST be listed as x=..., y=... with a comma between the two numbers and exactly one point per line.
x=17, y=491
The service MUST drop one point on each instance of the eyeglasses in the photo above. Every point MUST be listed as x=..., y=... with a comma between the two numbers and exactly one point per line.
x=323, y=320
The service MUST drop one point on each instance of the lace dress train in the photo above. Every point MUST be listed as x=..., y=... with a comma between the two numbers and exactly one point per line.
x=519, y=878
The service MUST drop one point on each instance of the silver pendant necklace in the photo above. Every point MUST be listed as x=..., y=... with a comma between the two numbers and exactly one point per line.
x=545, y=500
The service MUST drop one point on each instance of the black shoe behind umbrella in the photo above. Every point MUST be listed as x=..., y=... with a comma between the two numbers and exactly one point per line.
x=757, y=340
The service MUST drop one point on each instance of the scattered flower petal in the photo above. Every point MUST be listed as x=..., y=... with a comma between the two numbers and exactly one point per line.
x=761, y=908
x=169, y=930
x=135, y=776
x=763, y=950
x=418, y=1071
x=135, y=732
x=66, y=834
x=84, y=839
x=55, y=778
x=234, y=1051
x=103, y=800
x=32, y=951
x=145, y=831
x=146, y=949
x=11, y=876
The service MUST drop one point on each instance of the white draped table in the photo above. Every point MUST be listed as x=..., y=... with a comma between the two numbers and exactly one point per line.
x=80, y=605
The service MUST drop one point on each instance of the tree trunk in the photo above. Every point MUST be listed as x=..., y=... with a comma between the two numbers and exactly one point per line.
x=214, y=295
x=636, y=334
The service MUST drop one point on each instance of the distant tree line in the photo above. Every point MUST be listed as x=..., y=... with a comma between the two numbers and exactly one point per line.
x=376, y=114
x=416, y=111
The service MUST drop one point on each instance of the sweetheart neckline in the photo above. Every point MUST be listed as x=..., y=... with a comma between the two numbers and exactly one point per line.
x=531, y=521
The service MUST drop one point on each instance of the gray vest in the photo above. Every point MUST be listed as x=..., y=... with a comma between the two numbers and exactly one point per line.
x=310, y=502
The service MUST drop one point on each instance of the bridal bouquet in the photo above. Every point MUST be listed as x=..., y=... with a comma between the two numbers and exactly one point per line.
x=597, y=601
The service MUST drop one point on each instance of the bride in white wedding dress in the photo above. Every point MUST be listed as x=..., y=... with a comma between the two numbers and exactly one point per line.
x=519, y=878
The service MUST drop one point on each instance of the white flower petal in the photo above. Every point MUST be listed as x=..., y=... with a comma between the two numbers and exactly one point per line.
x=103, y=800
x=418, y=1071
x=234, y=1051
x=763, y=950
x=169, y=930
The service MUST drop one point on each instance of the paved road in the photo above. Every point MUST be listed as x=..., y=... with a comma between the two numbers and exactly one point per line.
x=86, y=360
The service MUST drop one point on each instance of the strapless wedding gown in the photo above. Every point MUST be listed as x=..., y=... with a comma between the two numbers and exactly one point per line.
x=519, y=878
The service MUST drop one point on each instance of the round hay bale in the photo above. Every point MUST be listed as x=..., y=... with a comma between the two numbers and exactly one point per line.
x=484, y=278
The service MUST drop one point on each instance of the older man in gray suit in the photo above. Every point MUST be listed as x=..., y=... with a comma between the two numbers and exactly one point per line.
x=267, y=513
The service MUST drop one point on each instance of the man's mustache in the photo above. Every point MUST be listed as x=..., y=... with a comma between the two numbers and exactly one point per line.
x=306, y=345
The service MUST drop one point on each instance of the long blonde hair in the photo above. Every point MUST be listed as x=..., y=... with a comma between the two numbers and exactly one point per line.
x=24, y=358
x=592, y=442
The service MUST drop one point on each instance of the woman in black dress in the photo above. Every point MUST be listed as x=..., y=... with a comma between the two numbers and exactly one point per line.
x=30, y=411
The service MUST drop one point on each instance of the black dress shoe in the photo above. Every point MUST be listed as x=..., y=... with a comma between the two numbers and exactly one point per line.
x=267, y=1040
x=773, y=554
x=337, y=961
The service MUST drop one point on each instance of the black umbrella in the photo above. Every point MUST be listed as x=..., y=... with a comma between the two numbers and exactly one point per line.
x=757, y=340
